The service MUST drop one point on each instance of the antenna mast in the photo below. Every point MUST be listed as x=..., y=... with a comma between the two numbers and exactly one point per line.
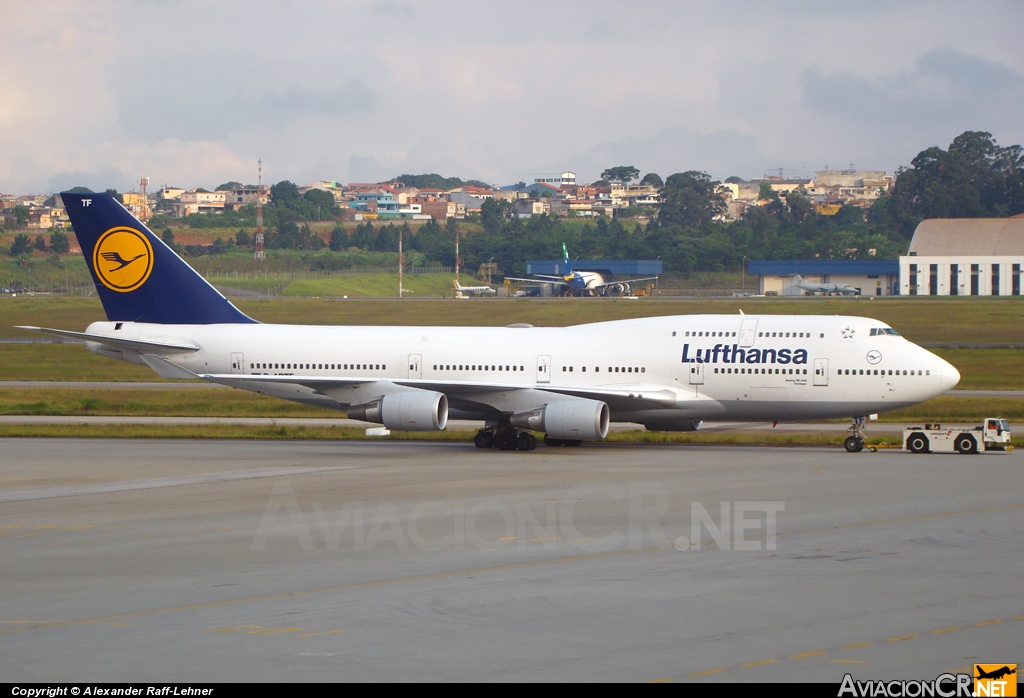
x=260, y=255
x=144, y=210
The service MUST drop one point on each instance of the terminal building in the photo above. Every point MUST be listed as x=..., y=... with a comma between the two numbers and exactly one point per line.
x=874, y=277
x=964, y=257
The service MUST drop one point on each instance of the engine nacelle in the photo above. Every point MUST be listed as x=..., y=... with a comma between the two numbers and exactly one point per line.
x=576, y=419
x=410, y=410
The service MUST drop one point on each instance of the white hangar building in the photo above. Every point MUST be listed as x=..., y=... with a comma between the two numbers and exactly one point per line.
x=964, y=257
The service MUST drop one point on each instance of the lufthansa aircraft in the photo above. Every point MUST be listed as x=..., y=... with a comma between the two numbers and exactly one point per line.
x=667, y=373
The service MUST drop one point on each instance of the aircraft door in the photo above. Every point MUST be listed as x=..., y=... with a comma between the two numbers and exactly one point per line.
x=543, y=369
x=237, y=362
x=415, y=365
x=696, y=374
x=748, y=331
x=821, y=371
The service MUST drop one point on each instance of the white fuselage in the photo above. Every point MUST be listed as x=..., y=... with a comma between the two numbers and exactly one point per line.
x=768, y=367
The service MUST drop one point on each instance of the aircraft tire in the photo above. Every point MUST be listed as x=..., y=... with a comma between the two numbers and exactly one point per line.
x=853, y=444
x=506, y=441
x=965, y=444
x=917, y=443
x=551, y=441
x=526, y=441
x=484, y=439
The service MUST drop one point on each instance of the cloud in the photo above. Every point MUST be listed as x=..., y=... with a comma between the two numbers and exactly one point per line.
x=97, y=180
x=946, y=90
x=211, y=101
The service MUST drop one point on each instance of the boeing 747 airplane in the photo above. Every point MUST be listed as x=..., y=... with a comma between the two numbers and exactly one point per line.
x=667, y=373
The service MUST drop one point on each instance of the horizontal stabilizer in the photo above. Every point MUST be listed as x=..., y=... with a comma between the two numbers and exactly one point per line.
x=139, y=345
x=166, y=369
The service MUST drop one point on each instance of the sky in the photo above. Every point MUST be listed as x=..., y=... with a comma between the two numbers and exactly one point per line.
x=193, y=93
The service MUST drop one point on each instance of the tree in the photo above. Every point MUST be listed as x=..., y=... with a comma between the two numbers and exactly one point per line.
x=59, y=242
x=243, y=239
x=362, y=237
x=800, y=206
x=284, y=194
x=690, y=200
x=21, y=245
x=228, y=186
x=621, y=173
x=973, y=178
x=113, y=193
x=168, y=237
x=491, y=215
x=80, y=190
x=339, y=239
x=653, y=179
x=40, y=243
x=320, y=198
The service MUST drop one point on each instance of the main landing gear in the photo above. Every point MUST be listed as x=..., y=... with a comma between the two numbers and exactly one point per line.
x=505, y=438
x=854, y=443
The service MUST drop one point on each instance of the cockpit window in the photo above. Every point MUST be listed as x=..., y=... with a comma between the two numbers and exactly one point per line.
x=876, y=331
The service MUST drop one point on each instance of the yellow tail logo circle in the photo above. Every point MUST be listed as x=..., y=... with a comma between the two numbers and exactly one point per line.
x=123, y=259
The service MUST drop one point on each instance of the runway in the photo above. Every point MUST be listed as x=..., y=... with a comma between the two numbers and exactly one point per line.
x=175, y=560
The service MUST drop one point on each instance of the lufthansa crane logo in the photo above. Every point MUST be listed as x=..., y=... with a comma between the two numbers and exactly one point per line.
x=874, y=356
x=123, y=259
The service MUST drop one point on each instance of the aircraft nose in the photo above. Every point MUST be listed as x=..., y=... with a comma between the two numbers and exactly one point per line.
x=949, y=376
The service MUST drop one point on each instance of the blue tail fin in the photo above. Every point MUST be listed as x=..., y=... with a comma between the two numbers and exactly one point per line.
x=138, y=277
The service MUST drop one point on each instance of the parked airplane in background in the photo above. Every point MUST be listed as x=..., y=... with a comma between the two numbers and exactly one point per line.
x=667, y=373
x=584, y=283
x=842, y=289
x=474, y=290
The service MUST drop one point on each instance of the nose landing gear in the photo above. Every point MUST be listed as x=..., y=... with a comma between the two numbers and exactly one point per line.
x=854, y=443
x=505, y=438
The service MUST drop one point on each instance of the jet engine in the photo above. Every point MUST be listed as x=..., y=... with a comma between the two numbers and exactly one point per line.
x=410, y=410
x=575, y=419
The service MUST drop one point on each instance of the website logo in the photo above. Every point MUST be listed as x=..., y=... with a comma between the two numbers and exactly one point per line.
x=995, y=679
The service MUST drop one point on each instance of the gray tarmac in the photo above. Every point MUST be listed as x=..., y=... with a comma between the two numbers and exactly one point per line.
x=194, y=560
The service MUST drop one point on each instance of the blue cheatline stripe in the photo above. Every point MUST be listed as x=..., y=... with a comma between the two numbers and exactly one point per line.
x=141, y=283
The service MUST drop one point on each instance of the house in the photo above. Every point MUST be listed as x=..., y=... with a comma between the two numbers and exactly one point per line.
x=238, y=197
x=556, y=178
x=195, y=201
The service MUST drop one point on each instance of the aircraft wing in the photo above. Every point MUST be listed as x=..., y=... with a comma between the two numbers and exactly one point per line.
x=539, y=280
x=352, y=391
x=625, y=281
x=140, y=345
